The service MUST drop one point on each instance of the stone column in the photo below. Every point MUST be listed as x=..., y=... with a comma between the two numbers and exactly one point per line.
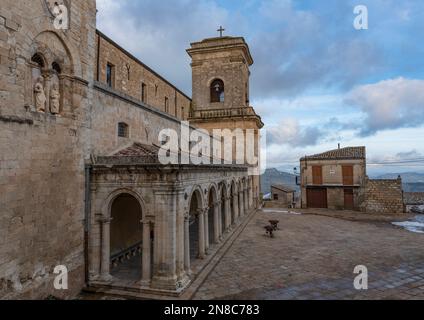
x=187, y=265
x=249, y=192
x=241, y=197
x=216, y=214
x=105, y=262
x=235, y=209
x=146, y=256
x=201, y=214
x=246, y=202
x=165, y=251
x=220, y=221
x=228, y=213
x=206, y=211
x=180, y=235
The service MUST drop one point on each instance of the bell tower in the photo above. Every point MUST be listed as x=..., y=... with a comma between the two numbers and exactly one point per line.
x=220, y=75
x=220, y=68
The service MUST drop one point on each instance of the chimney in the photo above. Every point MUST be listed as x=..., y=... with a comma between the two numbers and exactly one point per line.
x=339, y=146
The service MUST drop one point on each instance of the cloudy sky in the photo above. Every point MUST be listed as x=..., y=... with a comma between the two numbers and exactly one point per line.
x=316, y=81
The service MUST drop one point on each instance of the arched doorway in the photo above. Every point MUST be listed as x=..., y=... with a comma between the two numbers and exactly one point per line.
x=126, y=236
x=197, y=227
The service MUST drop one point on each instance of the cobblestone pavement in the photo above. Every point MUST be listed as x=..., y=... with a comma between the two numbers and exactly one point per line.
x=313, y=257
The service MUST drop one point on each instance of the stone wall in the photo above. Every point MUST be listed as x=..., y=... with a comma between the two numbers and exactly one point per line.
x=42, y=154
x=130, y=73
x=382, y=196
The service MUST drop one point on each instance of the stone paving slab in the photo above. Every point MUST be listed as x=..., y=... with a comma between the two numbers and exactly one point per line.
x=313, y=257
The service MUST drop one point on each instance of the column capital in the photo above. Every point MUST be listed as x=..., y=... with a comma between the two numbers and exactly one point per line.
x=203, y=211
x=217, y=203
x=145, y=221
x=104, y=220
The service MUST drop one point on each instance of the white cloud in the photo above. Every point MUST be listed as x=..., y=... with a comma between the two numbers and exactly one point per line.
x=290, y=132
x=389, y=104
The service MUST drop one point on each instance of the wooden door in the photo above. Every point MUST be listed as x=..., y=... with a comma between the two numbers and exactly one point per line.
x=317, y=198
x=348, y=199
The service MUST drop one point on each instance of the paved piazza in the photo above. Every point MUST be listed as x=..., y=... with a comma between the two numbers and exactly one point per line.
x=314, y=256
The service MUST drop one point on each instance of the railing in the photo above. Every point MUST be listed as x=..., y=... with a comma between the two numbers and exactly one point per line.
x=222, y=113
x=127, y=254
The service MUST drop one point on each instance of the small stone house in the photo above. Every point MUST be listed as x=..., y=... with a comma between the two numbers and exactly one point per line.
x=333, y=179
x=283, y=195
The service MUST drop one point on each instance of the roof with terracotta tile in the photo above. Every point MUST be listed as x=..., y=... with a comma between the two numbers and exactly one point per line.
x=137, y=150
x=339, y=154
x=282, y=188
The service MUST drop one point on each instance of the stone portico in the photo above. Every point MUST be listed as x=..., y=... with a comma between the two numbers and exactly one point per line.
x=186, y=213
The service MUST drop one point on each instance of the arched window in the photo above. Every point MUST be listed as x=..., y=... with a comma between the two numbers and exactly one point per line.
x=56, y=67
x=217, y=91
x=123, y=130
x=38, y=60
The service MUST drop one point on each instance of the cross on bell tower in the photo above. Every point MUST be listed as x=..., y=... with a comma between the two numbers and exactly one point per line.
x=220, y=30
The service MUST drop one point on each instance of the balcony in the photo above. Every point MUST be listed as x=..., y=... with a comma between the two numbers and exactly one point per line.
x=223, y=113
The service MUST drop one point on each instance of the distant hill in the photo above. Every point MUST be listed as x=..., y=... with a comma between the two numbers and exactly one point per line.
x=274, y=176
x=409, y=177
x=413, y=187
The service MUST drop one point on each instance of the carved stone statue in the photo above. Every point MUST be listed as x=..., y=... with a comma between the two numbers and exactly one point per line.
x=40, y=96
x=54, y=99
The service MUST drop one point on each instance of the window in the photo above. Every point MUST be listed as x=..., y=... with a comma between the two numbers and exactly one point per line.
x=128, y=67
x=38, y=60
x=109, y=75
x=56, y=67
x=217, y=91
x=275, y=197
x=143, y=92
x=247, y=94
x=123, y=130
x=166, y=105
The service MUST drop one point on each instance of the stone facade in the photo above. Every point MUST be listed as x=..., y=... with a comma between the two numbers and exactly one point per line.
x=382, y=196
x=284, y=196
x=42, y=154
x=58, y=116
x=130, y=76
x=331, y=176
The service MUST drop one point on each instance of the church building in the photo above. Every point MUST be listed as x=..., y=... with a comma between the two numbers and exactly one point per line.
x=81, y=182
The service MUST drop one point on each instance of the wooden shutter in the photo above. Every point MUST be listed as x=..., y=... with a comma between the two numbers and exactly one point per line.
x=317, y=175
x=348, y=175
